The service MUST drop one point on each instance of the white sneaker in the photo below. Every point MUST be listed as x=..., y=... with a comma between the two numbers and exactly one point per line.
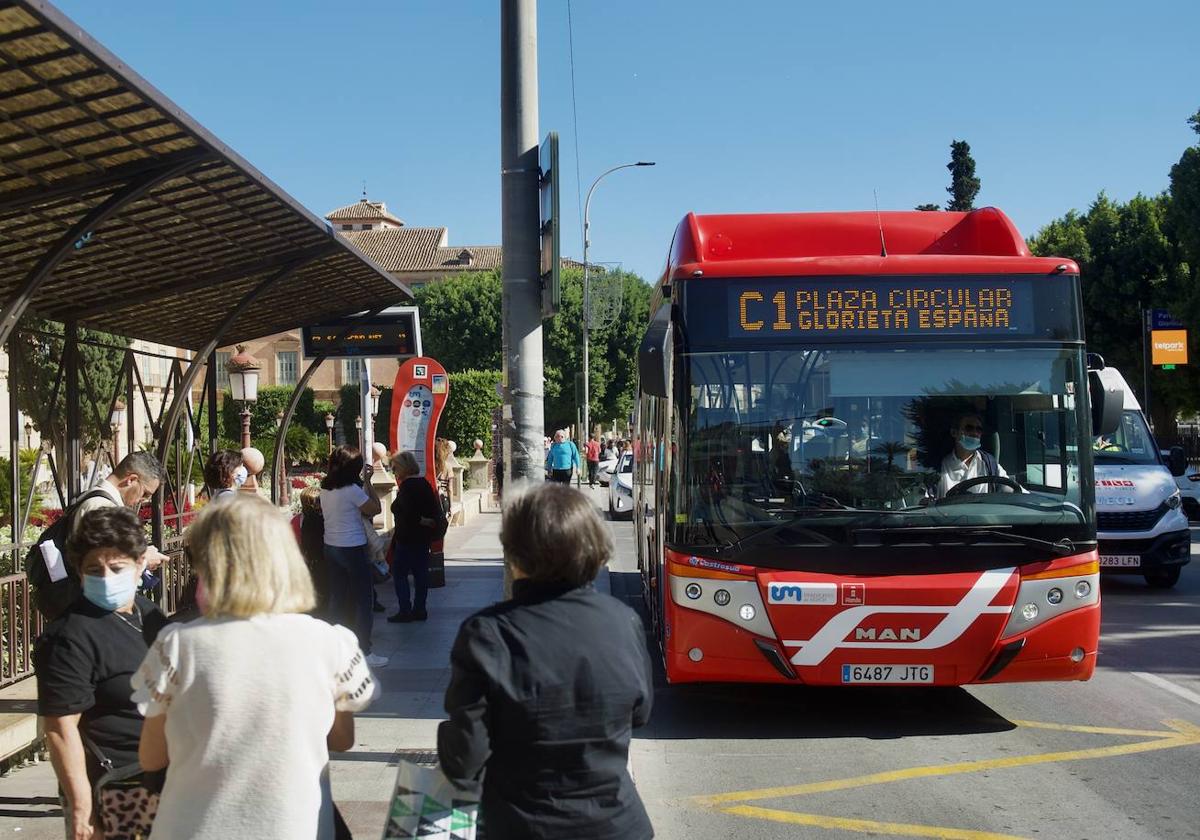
x=376, y=661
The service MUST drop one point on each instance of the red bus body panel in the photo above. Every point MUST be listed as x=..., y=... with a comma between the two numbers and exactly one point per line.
x=931, y=620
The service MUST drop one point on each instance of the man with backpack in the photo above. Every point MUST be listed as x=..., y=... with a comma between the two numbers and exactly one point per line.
x=133, y=483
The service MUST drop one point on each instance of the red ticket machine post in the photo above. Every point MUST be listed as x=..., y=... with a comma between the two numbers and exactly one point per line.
x=420, y=394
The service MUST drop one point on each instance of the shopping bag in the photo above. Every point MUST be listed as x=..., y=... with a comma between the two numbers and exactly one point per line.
x=426, y=805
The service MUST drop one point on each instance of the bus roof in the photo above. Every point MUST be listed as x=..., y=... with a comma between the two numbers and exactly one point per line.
x=983, y=241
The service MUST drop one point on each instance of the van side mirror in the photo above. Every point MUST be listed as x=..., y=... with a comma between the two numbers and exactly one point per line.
x=654, y=354
x=1177, y=461
x=1107, y=403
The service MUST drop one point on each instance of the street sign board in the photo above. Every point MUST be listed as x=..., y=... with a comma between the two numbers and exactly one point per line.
x=1161, y=319
x=394, y=333
x=1168, y=347
x=551, y=224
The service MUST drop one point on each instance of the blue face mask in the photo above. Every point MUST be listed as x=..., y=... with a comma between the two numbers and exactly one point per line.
x=111, y=591
x=968, y=443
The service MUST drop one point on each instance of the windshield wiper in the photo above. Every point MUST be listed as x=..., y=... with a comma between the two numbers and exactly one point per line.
x=1063, y=546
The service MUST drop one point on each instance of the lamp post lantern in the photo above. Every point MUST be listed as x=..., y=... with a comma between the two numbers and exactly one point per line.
x=243, y=384
x=28, y=435
x=329, y=421
x=587, y=295
x=117, y=421
x=374, y=394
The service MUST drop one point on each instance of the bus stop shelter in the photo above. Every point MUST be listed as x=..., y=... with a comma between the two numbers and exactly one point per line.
x=120, y=213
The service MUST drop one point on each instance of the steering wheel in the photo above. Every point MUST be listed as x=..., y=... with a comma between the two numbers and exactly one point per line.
x=999, y=480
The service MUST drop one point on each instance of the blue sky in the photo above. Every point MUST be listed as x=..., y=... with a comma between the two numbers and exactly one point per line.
x=785, y=105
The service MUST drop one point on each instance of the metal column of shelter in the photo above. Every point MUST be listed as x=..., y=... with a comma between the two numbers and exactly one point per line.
x=16, y=305
x=170, y=422
x=278, y=475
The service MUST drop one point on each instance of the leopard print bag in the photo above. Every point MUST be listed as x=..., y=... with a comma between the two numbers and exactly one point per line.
x=127, y=813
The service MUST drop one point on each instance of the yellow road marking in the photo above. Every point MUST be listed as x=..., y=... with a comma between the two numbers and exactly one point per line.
x=1181, y=733
x=866, y=826
x=1097, y=730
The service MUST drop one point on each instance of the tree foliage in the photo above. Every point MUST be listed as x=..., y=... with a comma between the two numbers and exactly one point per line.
x=928, y=207
x=272, y=399
x=1134, y=255
x=964, y=186
x=468, y=413
x=39, y=347
x=461, y=328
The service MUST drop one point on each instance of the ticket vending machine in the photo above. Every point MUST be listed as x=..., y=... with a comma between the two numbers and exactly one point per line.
x=418, y=398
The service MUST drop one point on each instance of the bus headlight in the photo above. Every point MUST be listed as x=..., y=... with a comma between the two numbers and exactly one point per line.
x=1029, y=612
x=747, y=612
x=1054, y=596
x=1083, y=589
x=693, y=591
x=722, y=597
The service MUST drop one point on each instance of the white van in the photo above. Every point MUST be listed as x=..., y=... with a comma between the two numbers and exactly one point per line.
x=1139, y=522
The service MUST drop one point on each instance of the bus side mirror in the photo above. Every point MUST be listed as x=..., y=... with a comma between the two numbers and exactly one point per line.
x=1107, y=403
x=654, y=356
x=1177, y=461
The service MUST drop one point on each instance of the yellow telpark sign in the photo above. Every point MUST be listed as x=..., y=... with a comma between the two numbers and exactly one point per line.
x=1168, y=347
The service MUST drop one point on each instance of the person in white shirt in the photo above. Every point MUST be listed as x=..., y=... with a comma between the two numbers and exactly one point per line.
x=348, y=504
x=968, y=460
x=245, y=703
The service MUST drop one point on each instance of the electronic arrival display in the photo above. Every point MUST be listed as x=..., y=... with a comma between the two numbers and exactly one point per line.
x=394, y=334
x=875, y=306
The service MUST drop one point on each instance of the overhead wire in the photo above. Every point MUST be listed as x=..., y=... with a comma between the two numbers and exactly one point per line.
x=575, y=119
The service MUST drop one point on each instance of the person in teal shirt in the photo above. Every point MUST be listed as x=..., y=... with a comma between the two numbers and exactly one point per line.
x=562, y=458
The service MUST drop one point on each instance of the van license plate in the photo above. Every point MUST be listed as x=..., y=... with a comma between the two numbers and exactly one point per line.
x=1127, y=560
x=887, y=674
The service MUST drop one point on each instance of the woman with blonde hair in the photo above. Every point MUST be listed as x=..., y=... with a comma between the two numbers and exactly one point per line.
x=246, y=702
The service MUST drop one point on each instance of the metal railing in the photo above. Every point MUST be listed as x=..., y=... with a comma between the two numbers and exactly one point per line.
x=20, y=624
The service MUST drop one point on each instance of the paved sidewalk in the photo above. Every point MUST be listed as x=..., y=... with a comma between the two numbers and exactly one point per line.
x=402, y=723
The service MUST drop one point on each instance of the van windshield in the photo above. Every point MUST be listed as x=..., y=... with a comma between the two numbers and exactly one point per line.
x=1131, y=443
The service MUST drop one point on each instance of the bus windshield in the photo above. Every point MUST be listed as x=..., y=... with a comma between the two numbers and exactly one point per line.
x=820, y=447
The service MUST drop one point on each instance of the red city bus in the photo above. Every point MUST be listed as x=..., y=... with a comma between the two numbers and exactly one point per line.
x=801, y=509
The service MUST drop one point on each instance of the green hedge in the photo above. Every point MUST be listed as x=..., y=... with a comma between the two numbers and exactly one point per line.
x=272, y=399
x=348, y=395
x=468, y=413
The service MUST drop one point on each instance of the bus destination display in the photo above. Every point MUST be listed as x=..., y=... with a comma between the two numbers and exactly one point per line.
x=880, y=307
x=363, y=338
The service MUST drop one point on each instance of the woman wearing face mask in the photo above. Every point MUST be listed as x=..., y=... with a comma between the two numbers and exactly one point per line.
x=84, y=662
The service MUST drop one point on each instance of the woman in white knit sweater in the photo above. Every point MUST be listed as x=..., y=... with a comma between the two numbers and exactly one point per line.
x=248, y=700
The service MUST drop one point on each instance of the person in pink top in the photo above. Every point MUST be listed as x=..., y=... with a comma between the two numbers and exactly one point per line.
x=591, y=451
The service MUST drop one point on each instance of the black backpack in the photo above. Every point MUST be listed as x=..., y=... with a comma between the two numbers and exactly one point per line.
x=52, y=597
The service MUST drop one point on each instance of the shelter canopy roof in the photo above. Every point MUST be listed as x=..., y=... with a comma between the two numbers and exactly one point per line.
x=169, y=265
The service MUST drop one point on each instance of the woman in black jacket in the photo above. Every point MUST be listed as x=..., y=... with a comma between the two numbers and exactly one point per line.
x=546, y=688
x=419, y=524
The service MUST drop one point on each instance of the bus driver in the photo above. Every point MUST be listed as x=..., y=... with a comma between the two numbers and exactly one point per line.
x=968, y=460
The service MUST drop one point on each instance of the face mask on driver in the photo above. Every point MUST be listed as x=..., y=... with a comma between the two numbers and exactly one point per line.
x=968, y=443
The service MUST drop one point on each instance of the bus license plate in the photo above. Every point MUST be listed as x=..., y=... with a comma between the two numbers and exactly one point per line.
x=887, y=673
x=1134, y=560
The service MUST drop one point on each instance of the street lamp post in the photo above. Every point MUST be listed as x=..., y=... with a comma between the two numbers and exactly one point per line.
x=358, y=428
x=117, y=421
x=587, y=295
x=243, y=384
x=329, y=421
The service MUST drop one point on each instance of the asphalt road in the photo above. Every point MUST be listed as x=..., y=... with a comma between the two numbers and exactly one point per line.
x=1118, y=756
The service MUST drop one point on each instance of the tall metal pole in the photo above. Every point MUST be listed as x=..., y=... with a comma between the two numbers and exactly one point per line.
x=587, y=299
x=521, y=300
